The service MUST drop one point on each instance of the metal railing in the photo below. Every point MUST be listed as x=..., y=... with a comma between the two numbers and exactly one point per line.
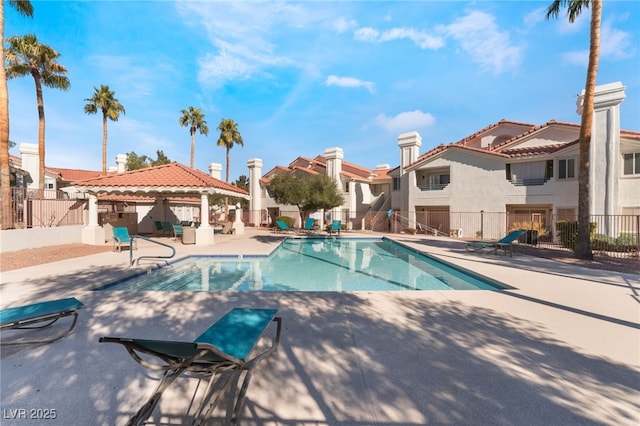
x=38, y=208
x=136, y=261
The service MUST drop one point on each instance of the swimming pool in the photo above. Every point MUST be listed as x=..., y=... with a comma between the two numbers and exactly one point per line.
x=312, y=264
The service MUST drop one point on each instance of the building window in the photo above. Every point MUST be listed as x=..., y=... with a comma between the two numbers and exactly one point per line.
x=396, y=184
x=567, y=168
x=631, y=164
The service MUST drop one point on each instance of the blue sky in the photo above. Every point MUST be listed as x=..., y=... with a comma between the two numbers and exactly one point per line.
x=301, y=77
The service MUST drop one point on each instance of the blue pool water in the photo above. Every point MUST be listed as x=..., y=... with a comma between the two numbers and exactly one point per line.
x=339, y=264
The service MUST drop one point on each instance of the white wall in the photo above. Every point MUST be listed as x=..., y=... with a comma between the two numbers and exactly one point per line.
x=21, y=239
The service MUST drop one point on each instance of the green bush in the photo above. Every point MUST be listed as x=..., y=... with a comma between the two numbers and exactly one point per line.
x=286, y=219
x=625, y=242
x=568, y=233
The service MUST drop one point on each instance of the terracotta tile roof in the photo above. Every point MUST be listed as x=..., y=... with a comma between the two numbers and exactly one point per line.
x=318, y=165
x=629, y=134
x=76, y=174
x=537, y=150
x=466, y=139
x=168, y=178
x=531, y=131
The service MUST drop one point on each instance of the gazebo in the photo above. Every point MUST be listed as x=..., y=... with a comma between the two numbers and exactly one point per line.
x=169, y=180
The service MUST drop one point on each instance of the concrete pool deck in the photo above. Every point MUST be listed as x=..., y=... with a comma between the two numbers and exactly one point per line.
x=561, y=348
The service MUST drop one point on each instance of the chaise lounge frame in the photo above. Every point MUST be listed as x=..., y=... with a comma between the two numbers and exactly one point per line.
x=39, y=316
x=505, y=243
x=221, y=352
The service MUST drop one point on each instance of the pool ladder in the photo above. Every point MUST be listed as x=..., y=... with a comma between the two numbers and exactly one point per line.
x=136, y=261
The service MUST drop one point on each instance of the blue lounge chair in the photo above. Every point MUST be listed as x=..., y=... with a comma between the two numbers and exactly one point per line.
x=221, y=353
x=308, y=225
x=281, y=226
x=336, y=226
x=167, y=229
x=505, y=243
x=121, y=237
x=178, y=231
x=33, y=316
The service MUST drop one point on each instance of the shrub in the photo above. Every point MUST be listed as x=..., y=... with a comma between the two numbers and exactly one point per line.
x=568, y=232
x=529, y=226
x=286, y=219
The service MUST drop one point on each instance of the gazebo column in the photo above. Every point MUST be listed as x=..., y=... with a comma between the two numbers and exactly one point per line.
x=93, y=233
x=204, y=233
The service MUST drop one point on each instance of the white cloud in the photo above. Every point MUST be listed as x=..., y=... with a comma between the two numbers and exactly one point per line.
x=366, y=34
x=480, y=37
x=242, y=37
x=535, y=17
x=343, y=24
x=405, y=121
x=421, y=39
x=614, y=44
x=334, y=80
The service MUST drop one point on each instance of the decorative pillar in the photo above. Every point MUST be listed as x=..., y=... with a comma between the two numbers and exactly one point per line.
x=121, y=163
x=334, y=158
x=92, y=233
x=204, y=233
x=409, y=144
x=215, y=170
x=255, y=203
x=604, y=150
x=29, y=155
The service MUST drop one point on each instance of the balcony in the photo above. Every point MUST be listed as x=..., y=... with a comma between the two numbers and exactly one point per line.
x=529, y=182
x=433, y=187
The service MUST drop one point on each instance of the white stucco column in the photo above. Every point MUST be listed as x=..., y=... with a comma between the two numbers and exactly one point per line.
x=93, y=233
x=238, y=224
x=204, y=232
x=334, y=158
x=255, y=203
x=93, y=211
x=29, y=158
x=409, y=144
x=215, y=170
x=121, y=163
x=604, y=150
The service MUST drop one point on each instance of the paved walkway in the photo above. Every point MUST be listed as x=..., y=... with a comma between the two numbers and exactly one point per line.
x=562, y=348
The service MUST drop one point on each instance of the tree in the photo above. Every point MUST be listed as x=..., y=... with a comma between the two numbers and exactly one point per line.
x=583, y=248
x=27, y=56
x=135, y=161
x=194, y=119
x=307, y=193
x=161, y=159
x=229, y=135
x=104, y=99
x=25, y=8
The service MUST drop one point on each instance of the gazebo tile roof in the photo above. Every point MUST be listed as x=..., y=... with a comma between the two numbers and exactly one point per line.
x=173, y=175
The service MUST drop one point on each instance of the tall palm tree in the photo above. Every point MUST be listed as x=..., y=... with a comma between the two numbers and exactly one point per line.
x=104, y=99
x=229, y=135
x=194, y=119
x=27, y=56
x=23, y=7
x=583, y=249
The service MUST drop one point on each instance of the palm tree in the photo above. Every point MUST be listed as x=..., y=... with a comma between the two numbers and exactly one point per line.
x=104, y=99
x=23, y=7
x=229, y=135
x=194, y=119
x=583, y=248
x=27, y=56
